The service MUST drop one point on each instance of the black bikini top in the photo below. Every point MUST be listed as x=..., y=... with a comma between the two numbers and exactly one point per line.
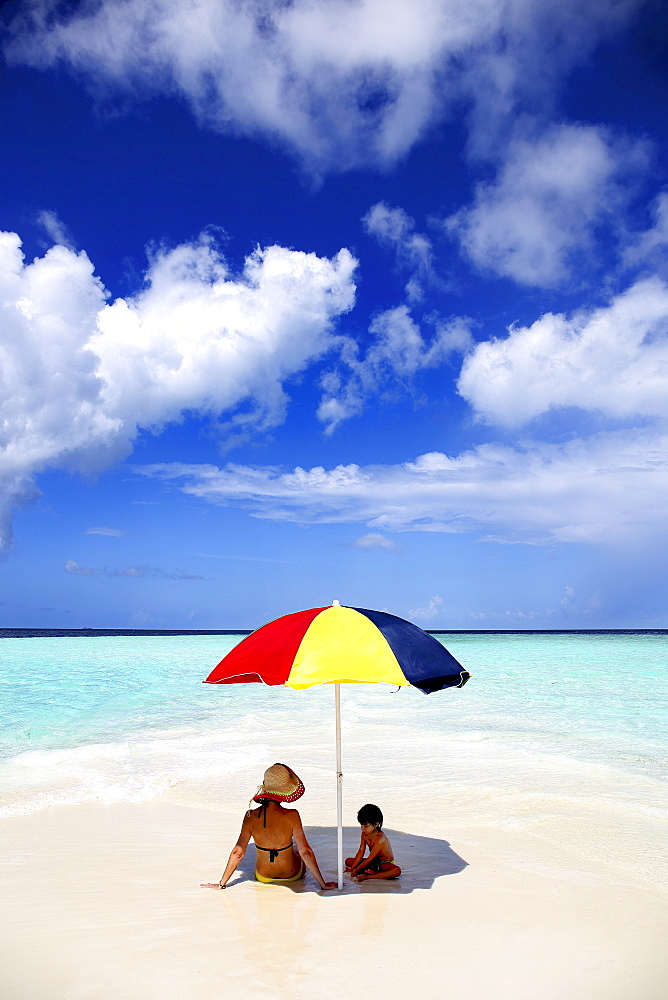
x=273, y=852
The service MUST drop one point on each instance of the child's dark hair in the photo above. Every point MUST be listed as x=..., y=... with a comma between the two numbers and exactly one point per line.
x=370, y=814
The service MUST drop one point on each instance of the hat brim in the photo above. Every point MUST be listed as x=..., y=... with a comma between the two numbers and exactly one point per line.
x=281, y=797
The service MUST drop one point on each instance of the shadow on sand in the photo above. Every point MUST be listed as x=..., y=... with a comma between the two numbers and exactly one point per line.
x=422, y=860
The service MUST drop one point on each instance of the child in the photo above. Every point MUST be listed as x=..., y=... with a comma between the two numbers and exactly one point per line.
x=380, y=861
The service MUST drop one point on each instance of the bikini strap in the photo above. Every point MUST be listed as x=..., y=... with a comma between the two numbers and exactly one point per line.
x=263, y=811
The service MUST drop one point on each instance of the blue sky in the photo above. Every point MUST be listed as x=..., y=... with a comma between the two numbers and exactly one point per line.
x=354, y=299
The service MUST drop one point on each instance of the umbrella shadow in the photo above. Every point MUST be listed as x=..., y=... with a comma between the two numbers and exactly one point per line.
x=422, y=860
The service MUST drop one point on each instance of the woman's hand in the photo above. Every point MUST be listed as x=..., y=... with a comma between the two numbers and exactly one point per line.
x=211, y=885
x=330, y=885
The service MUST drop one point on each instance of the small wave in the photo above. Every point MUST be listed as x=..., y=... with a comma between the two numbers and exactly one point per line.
x=132, y=770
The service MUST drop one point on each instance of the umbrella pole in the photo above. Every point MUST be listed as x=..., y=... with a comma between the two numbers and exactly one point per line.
x=339, y=786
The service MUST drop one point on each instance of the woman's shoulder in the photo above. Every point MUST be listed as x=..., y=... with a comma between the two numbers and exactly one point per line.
x=292, y=815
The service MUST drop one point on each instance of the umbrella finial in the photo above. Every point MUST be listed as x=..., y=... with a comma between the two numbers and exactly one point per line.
x=336, y=604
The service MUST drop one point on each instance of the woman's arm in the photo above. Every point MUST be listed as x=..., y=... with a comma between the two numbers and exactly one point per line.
x=306, y=853
x=236, y=855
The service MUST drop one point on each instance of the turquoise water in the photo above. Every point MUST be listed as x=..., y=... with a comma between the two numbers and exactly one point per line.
x=126, y=717
x=559, y=736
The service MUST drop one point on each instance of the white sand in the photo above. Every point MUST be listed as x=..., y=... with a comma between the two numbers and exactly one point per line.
x=103, y=901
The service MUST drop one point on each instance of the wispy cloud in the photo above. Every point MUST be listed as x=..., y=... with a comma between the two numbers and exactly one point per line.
x=566, y=609
x=537, y=493
x=433, y=609
x=72, y=566
x=340, y=84
x=395, y=229
x=374, y=540
x=401, y=349
x=650, y=248
x=108, y=532
x=55, y=228
x=133, y=572
x=264, y=559
x=537, y=220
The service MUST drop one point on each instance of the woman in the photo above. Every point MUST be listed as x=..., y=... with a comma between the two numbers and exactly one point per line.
x=276, y=832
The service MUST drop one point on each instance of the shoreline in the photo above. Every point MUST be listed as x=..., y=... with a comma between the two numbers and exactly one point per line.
x=110, y=894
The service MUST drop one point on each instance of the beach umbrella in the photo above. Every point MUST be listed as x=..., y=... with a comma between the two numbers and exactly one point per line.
x=340, y=645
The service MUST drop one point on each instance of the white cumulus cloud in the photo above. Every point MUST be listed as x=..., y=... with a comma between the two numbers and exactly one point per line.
x=80, y=376
x=198, y=337
x=613, y=360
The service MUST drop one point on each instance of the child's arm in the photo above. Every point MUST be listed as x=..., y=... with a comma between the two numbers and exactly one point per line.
x=360, y=854
x=374, y=851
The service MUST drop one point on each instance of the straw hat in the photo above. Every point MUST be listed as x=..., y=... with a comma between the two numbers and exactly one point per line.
x=280, y=784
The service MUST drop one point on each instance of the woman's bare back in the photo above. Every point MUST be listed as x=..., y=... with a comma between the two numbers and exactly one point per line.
x=271, y=828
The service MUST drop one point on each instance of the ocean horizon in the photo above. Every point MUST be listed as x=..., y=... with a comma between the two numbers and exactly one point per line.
x=19, y=633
